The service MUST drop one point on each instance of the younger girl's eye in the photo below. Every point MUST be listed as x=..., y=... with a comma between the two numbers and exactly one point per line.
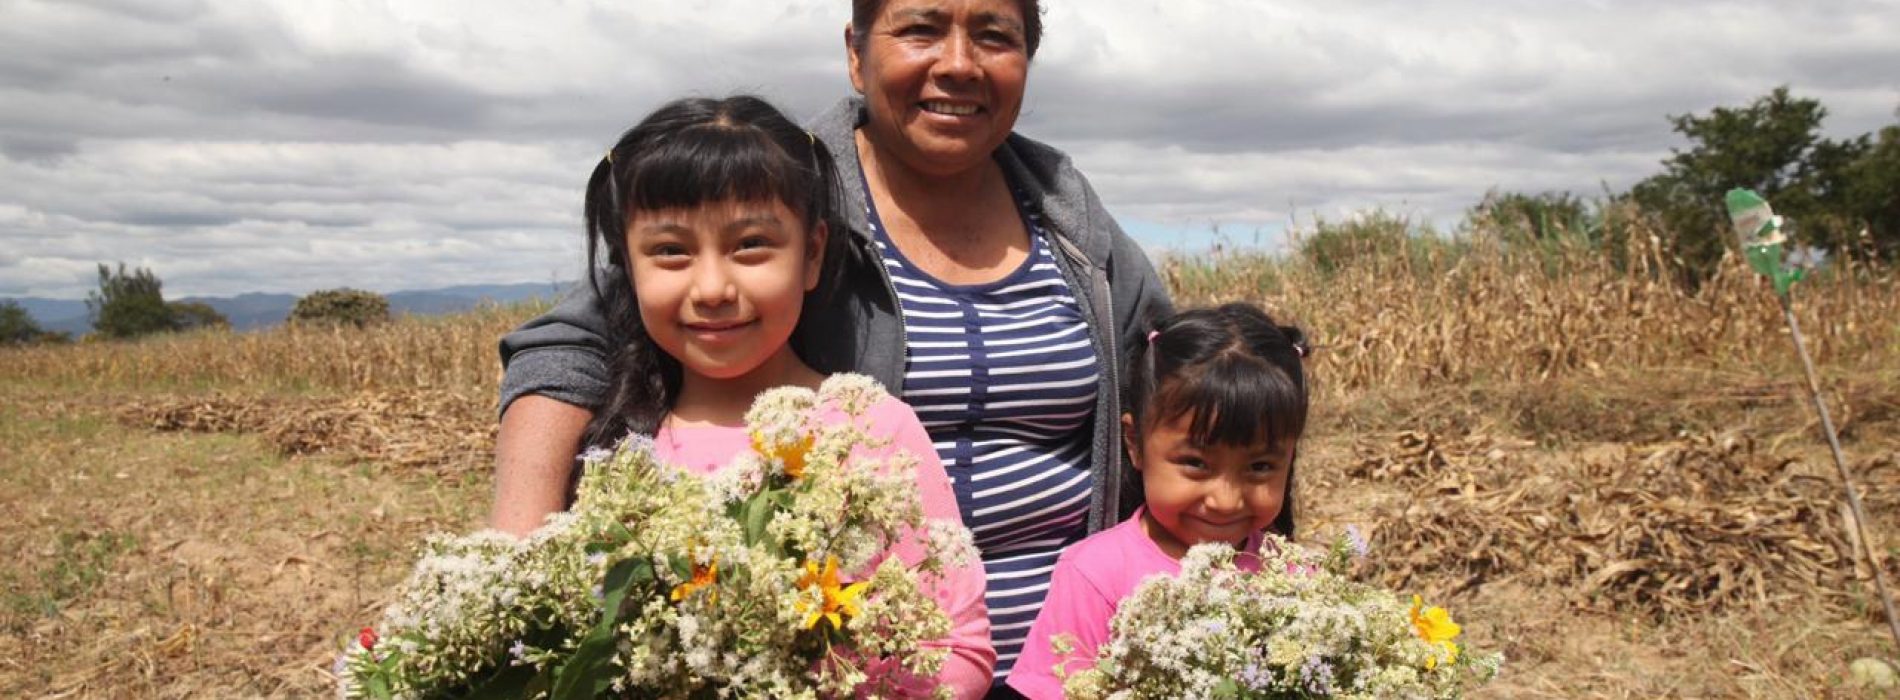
x=666, y=250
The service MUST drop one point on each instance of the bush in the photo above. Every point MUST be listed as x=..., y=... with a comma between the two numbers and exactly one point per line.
x=16, y=325
x=1549, y=217
x=192, y=315
x=352, y=307
x=1374, y=238
x=129, y=304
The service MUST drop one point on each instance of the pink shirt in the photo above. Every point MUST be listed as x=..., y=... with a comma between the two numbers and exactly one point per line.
x=1090, y=580
x=967, y=670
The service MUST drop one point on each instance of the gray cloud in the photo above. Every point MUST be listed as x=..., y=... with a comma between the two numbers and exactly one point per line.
x=277, y=146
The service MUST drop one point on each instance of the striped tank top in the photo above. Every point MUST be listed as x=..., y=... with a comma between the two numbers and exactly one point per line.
x=1004, y=378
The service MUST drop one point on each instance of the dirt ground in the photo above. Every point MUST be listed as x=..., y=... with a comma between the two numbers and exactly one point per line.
x=185, y=563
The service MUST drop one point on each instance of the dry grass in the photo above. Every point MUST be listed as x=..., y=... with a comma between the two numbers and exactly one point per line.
x=452, y=353
x=1415, y=313
x=1613, y=480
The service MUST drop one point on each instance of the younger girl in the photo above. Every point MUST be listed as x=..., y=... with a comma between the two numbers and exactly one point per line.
x=716, y=217
x=1219, y=403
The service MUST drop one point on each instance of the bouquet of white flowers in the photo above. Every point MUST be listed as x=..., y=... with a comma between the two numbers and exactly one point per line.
x=1298, y=628
x=664, y=584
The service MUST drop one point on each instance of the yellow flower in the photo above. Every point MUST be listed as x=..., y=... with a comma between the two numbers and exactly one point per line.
x=792, y=455
x=1434, y=625
x=703, y=576
x=838, y=602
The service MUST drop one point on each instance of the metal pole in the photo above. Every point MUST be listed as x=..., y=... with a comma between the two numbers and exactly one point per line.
x=1840, y=463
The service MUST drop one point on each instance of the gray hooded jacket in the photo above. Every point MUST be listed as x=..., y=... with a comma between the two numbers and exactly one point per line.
x=563, y=353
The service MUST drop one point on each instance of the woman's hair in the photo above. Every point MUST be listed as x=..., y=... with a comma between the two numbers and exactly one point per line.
x=687, y=153
x=864, y=13
x=1234, y=371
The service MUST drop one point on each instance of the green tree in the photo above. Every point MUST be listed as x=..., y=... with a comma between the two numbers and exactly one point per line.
x=1873, y=195
x=128, y=305
x=192, y=315
x=1773, y=146
x=16, y=325
x=353, y=307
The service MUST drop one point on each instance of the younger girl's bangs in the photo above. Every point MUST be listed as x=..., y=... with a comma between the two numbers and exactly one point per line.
x=716, y=163
x=1235, y=401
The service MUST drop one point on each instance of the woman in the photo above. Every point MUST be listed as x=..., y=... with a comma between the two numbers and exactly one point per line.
x=983, y=282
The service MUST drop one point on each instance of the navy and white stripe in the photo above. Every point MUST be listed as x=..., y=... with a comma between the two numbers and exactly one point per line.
x=1004, y=378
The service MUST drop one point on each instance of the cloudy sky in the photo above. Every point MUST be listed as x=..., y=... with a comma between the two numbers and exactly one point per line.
x=294, y=145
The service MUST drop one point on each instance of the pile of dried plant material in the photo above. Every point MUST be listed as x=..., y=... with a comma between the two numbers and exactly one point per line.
x=207, y=414
x=1418, y=454
x=1697, y=525
x=410, y=429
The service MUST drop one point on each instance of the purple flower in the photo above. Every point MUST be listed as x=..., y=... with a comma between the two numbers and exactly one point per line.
x=1357, y=540
x=518, y=652
x=1317, y=676
x=1256, y=677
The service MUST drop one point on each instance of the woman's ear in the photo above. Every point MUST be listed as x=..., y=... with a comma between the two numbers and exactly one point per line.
x=851, y=57
x=1129, y=441
x=815, y=255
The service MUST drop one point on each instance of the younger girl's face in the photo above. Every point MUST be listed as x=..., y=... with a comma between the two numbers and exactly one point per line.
x=721, y=284
x=1207, y=493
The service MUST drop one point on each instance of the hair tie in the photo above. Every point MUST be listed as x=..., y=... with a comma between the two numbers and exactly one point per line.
x=610, y=156
x=813, y=138
x=1151, y=336
x=1300, y=348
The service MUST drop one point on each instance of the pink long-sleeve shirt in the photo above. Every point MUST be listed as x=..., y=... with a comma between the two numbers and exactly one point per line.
x=1091, y=579
x=967, y=671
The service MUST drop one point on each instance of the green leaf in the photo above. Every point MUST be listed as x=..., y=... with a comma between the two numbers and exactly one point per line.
x=509, y=683
x=1227, y=689
x=758, y=513
x=590, y=670
x=378, y=687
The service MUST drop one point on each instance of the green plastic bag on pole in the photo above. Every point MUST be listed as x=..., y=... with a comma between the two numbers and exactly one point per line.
x=1759, y=230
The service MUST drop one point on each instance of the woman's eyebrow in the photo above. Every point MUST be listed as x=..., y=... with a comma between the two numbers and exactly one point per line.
x=927, y=15
x=1000, y=20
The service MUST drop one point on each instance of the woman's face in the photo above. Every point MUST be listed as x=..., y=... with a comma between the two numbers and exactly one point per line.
x=943, y=79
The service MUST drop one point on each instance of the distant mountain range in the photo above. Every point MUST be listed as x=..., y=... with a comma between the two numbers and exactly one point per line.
x=257, y=310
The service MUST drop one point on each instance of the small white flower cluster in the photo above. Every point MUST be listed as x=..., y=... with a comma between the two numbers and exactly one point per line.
x=1299, y=628
x=754, y=582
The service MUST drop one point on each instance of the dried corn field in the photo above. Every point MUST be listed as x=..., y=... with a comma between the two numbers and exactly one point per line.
x=1611, y=478
x=454, y=353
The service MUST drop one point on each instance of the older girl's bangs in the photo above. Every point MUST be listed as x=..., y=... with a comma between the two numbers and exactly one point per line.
x=715, y=163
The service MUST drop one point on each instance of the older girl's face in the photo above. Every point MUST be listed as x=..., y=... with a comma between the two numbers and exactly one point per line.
x=943, y=79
